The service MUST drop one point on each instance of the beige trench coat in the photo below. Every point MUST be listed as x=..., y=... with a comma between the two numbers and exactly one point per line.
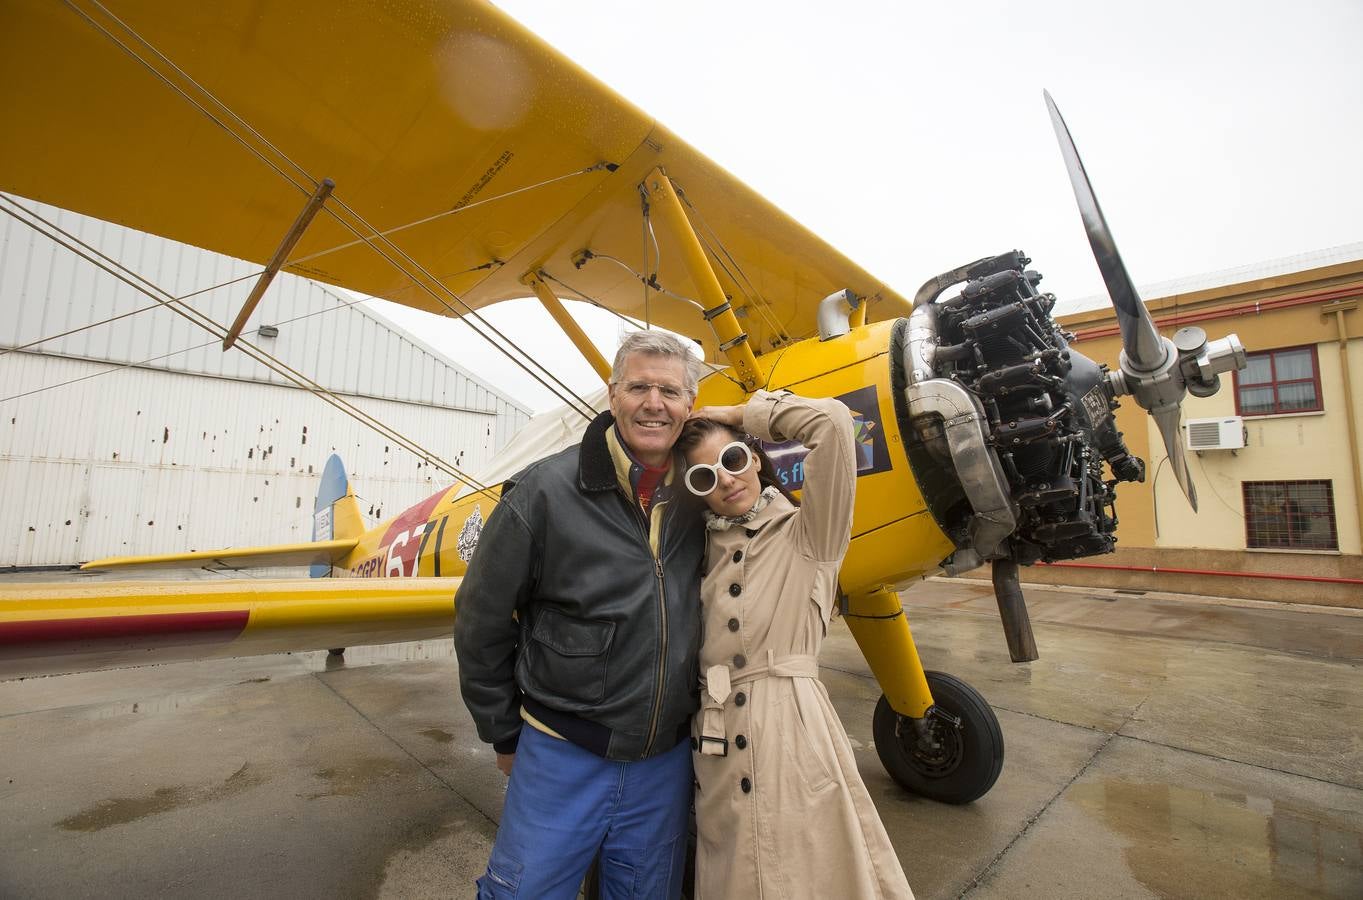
x=784, y=813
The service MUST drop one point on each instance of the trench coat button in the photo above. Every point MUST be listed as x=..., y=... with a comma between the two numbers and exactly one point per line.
x=735, y=589
x=750, y=532
x=733, y=624
x=741, y=742
x=740, y=661
x=738, y=556
x=740, y=698
x=746, y=784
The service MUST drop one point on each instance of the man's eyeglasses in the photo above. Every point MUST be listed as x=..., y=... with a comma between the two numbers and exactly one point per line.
x=735, y=458
x=641, y=389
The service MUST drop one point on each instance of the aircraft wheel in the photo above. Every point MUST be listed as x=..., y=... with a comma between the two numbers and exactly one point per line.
x=952, y=755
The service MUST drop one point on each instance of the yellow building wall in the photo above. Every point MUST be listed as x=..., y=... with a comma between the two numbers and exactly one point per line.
x=1158, y=530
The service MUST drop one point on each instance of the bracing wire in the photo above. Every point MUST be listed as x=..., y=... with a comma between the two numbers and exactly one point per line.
x=763, y=307
x=634, y=323
x=140, y=284
x=648, y=282
x=344, y=304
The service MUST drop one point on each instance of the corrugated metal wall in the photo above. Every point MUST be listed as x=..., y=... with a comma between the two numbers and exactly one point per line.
x=193, y=449
x=143, y=461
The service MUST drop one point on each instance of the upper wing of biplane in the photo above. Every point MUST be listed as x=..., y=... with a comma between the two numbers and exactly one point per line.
x=465, y=153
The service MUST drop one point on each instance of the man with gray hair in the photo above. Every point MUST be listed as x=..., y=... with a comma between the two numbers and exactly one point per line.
x=577, y=630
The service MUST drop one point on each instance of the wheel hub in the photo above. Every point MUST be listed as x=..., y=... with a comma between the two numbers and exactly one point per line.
x=936, y=748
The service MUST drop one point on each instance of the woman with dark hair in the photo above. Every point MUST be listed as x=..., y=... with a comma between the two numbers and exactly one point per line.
x=781, y=810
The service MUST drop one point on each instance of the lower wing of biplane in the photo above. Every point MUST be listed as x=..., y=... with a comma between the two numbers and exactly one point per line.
x=54, y=628
x=48, y=629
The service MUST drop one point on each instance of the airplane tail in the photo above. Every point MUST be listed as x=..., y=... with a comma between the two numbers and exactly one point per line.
x=336, y=513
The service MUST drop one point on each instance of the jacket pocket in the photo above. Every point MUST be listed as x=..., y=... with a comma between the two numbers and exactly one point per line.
x=569, y=655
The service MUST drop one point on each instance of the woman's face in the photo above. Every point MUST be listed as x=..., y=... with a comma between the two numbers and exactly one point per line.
x=733, y=495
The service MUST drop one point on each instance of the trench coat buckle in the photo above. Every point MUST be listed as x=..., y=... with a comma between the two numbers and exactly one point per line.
x=706, y=740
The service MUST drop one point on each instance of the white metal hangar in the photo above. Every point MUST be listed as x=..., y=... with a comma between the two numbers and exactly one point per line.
x=125, y=429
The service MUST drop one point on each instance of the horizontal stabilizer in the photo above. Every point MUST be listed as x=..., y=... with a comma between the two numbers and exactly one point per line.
x=312, y=553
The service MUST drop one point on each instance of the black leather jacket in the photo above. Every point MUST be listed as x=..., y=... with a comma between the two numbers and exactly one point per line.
x=604, y=645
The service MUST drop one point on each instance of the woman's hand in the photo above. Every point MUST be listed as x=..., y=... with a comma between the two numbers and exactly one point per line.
x=725, y=415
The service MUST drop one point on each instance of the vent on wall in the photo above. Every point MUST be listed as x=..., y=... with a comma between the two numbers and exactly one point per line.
x=1216, y=434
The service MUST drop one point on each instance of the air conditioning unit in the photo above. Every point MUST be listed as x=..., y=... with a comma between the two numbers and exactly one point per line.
x=1226, y=433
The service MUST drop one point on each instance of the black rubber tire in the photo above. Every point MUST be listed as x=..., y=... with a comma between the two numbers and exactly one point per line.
x=970, y=757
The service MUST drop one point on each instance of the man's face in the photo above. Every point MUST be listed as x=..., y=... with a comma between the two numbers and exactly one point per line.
x=649, y=421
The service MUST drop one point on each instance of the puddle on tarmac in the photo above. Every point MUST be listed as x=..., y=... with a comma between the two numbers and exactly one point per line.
x=353, y=777
x=122, y=810
x=440, y=736
x=1188, y=843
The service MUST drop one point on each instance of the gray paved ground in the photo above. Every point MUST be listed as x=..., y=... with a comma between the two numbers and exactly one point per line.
x=1159, y=748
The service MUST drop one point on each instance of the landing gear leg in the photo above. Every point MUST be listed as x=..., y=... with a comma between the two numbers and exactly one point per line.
x=877, y=621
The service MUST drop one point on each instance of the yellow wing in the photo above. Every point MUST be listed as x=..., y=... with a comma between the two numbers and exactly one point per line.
x=47, y=629
x=312, y=553
x=211, y=123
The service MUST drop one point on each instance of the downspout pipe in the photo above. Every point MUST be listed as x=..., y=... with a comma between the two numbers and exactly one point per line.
x=1339, y=308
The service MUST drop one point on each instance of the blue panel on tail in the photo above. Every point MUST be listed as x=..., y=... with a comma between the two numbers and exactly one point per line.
x=334, y=485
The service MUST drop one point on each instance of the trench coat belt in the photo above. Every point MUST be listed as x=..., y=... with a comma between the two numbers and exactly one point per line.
x=719, y=681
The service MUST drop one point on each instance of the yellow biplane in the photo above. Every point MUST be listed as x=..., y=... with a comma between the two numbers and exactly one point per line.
x=439, y=155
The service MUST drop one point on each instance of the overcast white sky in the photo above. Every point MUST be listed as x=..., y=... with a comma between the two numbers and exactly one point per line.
x=913, y=136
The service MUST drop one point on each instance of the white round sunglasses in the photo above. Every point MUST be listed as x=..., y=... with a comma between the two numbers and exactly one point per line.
x=735, y=458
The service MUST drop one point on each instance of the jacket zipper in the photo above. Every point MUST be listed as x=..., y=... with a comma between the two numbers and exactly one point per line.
x=662, y=618
x=662, y=658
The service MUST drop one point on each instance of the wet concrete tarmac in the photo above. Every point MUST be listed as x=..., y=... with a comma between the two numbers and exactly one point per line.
x=1159, y=748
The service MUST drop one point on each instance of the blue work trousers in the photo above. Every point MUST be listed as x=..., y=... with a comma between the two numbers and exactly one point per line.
x=565, y=803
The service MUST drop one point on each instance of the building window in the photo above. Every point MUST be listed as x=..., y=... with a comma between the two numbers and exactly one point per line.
x=1278, y=381
x=1290, y=515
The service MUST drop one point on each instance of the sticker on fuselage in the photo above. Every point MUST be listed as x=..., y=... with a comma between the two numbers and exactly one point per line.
x=870, y=446
x=469, y=534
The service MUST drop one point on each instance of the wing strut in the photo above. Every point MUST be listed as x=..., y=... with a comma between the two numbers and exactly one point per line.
x=569, y=325
x=281, y=256
x=733, y=341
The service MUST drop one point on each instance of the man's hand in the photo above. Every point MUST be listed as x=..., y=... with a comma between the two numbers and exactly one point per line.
x=505, y=761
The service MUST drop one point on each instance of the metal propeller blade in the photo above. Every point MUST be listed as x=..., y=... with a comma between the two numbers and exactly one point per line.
x=1150, y=363
x=1139, y=337
x=1169, y=419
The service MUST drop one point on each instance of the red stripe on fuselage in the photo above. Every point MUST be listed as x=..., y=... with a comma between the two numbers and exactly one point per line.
x=44, y=637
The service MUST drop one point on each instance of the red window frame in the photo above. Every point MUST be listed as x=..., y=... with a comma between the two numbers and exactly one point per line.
x=1289, y=507
x=1274, y=382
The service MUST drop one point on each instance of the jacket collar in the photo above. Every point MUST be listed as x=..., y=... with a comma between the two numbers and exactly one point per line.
x=595, y=467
